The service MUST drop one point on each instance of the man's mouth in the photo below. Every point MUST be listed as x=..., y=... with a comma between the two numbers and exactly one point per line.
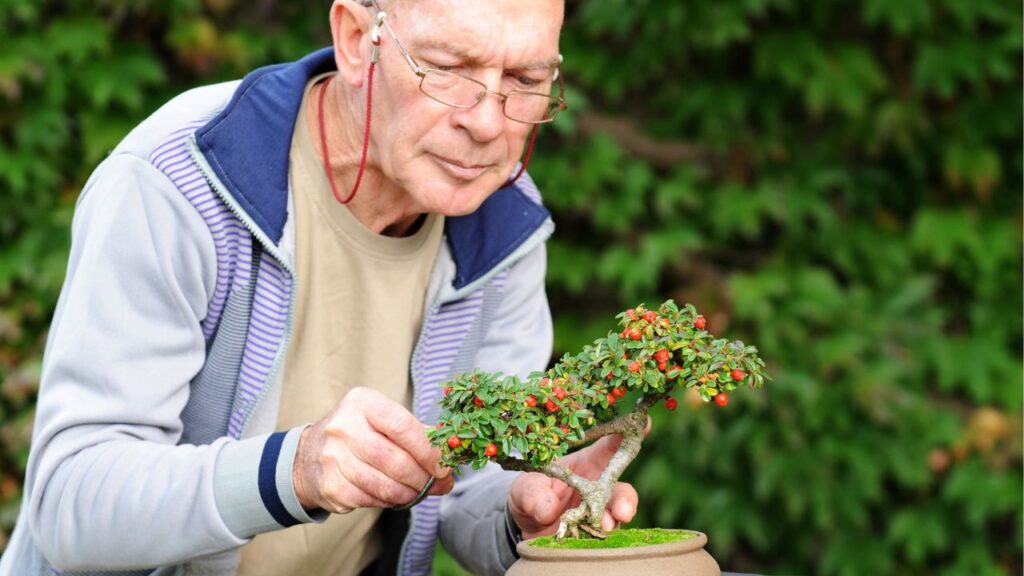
x=462, y=170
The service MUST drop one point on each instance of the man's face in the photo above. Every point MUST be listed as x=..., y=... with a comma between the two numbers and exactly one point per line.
x=449, y=160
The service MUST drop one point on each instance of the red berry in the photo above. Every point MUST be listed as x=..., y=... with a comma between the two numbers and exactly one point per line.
x=671, y=403
x=738, y=374
x=531, y=401
x=630, y=313
x=447, y=389
x=722, y=399
x=635, y=334
x=661, y=366
x=564, y=429
x=650, y=316
x=611, y=375
x=634, y=366
x=491, y=451
x=454, y=442
x=619, y=391
x=611, y=399
x=560, y=393
x=700, y=323
x=478, y=401
x=550, y=405
x=545, y=381
x=662, y=355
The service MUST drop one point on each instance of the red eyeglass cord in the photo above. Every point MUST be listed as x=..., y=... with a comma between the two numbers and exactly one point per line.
x=366, y=141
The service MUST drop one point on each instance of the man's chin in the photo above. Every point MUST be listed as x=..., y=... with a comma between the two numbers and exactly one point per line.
x=465, y=198
x=458, y=207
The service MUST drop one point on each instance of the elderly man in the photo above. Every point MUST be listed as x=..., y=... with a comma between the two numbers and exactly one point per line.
x=334, y=236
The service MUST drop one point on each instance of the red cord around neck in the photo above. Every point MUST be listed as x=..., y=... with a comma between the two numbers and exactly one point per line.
x=366, y=137
x=526, y=158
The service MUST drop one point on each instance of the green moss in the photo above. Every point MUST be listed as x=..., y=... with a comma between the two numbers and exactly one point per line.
x=617, y=539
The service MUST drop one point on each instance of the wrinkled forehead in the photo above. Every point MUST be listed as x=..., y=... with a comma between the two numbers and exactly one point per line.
x=515, y=31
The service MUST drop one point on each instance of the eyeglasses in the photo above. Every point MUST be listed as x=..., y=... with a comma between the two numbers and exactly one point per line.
x=460, y=91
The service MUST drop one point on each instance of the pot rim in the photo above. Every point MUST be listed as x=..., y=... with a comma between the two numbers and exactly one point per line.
x=527, y=550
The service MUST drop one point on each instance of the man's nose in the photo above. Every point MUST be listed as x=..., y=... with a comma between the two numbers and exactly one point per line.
x=486, y=120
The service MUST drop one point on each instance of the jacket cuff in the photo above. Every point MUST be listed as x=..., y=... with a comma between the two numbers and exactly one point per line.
x=513, y=536
x=253, y=485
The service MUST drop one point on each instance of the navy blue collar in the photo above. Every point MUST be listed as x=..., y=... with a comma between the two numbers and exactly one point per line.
x=247, y=144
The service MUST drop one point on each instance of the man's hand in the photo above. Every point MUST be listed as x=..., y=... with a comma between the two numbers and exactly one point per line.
x=369, y=452
x=537, y=501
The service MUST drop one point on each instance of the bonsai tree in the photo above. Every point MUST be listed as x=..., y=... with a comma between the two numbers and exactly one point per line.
x=527, y=425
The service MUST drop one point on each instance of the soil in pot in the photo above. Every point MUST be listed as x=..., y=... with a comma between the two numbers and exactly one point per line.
x=653, y=552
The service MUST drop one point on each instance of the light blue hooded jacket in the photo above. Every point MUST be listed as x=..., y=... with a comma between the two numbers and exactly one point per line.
x=154, y=449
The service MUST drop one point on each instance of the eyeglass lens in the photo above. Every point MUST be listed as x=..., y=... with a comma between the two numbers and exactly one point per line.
x=460, y=91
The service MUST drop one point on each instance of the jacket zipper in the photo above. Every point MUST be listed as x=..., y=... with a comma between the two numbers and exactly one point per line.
x=269, y=247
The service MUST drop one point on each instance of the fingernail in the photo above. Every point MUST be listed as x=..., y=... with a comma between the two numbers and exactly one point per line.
x=442, y=472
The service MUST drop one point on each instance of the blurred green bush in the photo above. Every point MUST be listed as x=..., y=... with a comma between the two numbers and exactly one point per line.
x=838, y=183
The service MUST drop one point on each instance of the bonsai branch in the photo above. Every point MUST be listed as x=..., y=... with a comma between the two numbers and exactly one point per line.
x=601, y=430
x=551, y=469
x=623, y=423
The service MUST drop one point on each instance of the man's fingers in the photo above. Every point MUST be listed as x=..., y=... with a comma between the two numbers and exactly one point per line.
x=608, y=523
x=524, y=492
x=381, y=453
x=442, y=486
x=441, y=471
x=600, y=453
x=394, y=421
x=376, y=483
x=342, y=490
x=609, y=445
x=547, y=507
x=368, y=452
x=350, y=498
x=534, y=503
x=622, y=506
x=592, y=460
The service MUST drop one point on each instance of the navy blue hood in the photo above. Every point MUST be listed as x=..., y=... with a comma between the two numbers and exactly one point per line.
x=247, y=145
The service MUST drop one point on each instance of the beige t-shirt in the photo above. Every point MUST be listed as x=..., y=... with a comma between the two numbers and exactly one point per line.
x=359, y=306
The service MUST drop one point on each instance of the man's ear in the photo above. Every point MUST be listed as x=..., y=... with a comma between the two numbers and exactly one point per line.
x=350, y=24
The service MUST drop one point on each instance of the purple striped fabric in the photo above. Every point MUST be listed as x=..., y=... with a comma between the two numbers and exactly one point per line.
x=233, y=244
x=526, y=186
x=444, y=336
x=268, y=327
x=232, y=241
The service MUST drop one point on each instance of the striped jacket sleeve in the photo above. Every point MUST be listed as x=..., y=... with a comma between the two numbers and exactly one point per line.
x=125, y=341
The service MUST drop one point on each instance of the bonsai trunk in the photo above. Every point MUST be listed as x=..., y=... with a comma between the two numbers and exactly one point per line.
x=595, y=494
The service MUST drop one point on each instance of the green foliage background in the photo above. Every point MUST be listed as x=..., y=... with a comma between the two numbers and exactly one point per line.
x=838, y=183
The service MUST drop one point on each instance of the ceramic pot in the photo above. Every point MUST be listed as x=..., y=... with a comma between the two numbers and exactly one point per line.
x=683, y=558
